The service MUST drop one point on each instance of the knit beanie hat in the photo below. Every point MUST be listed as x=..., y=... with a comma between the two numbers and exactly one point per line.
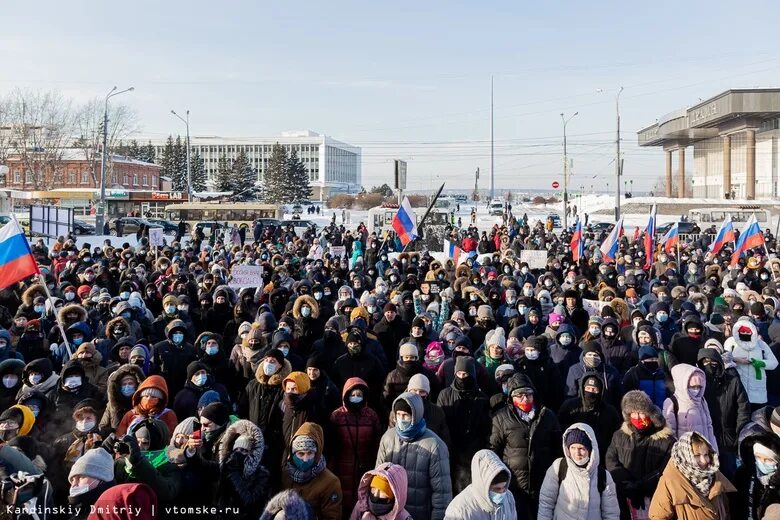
x=496, y=337
x=276, y=354
x=208, y=397
x=774, y=422
x=304, y=443
x=647, y=351
x=419, y=382
x=152, y=392
x=170, y=299
x=244, y=327
x=243, y=441
x=218, y=413
x=577, y=436
x=466, y=364
x=408, y=349
x=555, y=318
x=484, y=312
x=400, y=405
x=390, y=307
x=379, y=482
x=300, y=379
x=418, y=322
x=137, y=351
x=95, y=463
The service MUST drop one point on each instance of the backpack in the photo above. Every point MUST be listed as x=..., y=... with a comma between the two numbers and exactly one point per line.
x=601, y=478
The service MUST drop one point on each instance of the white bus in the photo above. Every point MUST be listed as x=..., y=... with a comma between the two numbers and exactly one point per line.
x=707, y=216
x=380, y=218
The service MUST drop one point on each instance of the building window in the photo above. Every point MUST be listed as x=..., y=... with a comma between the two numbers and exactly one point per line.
x=135, y=179
x=143, y=179
x=71, y=178
x=18, y=177
x=28, y=178
x=84, y=178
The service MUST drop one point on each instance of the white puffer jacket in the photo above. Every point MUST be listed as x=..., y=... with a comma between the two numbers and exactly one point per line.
x=577, y=496
x=473, y=503
x=755, y=348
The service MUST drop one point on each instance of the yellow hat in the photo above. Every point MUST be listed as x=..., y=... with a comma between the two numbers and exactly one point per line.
x=379, y=482
x=300, y=379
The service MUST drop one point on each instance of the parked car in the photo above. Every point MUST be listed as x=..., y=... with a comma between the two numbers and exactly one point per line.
x=496, y=208
x=83, y=228
x=169, y=227
x=684, y=228
x=300, y=226
x=598, y=227
x=130, y=225
x=556, y=219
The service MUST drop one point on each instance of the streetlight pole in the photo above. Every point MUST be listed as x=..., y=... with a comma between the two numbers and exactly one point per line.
x=618, y=166
x=566, y=172
x=189, y=171
x=100, y=215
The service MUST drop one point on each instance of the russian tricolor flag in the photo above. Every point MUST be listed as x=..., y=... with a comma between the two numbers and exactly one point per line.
x=405, y=222
x=453, y=251
x=750, y=237
x=610, y=246
x=650, y=239
x=577, y=243
x=671, y=238
x=16, y=259
x=725, y=234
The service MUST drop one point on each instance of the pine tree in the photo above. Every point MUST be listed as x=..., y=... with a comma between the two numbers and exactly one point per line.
x=275, y=183
x=148, y=153
x=179, y=174
x=167, y=159
x=133, y=150
x=298, y=178
x=198, y=172
x=244, y=179
x=223, y=180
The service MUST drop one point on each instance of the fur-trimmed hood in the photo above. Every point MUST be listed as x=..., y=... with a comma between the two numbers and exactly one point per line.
x=638, y=401
x=275, y=379
x=73, y=308
x=248, y=429
x=308, y=300
x=471, y=289
x=114, y=380
x=31, y=292
x=290, y=504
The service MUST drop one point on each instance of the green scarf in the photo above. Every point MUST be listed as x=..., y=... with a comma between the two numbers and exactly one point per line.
x=156, y=458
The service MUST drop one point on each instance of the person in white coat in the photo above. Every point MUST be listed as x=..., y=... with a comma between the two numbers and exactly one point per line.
x=753, y=358
x=488, y=496
x=580, y=490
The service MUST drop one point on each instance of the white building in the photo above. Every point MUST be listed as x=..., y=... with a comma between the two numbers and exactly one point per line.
x=334, y=167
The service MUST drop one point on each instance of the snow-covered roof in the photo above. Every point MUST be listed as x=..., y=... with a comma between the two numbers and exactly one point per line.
x=78, y=154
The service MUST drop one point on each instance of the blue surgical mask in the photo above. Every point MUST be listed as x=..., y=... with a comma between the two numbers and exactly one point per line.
x=766, y=468
x=212, y=350
x=125, y=315
x=305, y=312
x=177, y=338
x=662, y=317
x=356, y=399
x=302, y=465
x=285, y=350
x=403, y=424
x=124, y=295
x=39, y=309
x=497, y=498
x=128, y=390
x=77, y=341
x=170, y=309
x=200, y=379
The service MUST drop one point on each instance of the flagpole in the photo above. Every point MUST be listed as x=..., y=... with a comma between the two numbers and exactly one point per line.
x=425, y=216
x=57, y=317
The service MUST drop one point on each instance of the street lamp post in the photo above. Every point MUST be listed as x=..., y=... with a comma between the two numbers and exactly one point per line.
x=189, y=171
x=618, y=165
x=100, y=215
x=566, y=172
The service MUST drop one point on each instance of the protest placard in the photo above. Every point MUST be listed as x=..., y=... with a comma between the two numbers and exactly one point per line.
x=593, y=306
x=535, y=259
x=246, y=276
x=156, y=237
x=338, y=251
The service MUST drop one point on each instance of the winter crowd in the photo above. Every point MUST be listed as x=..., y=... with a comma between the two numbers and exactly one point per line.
x=391, y=386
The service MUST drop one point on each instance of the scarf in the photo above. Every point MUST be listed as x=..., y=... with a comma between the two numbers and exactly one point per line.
x=252, y=356
x=414, y=431
x=527, y=417
x=682, y=458
x=303, y=476
x=156, y=458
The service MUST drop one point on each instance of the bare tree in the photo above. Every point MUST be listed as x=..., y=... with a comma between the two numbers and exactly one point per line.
x=5, y=135
x=659, y=189
x=40, y=127
x=88, y=127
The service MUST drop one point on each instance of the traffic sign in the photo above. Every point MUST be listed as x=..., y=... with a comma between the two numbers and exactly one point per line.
x=555, y=185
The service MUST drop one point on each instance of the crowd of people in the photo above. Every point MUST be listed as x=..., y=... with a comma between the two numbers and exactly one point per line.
x=387, y=386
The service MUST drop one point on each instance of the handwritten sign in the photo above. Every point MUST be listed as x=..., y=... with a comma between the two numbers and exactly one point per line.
x=246, y=276
x=156, y=237
x=535, y=259
x=338, y=251
x=593, y=306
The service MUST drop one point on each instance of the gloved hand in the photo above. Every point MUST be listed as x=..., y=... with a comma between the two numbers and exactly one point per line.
x=416, y=293
x=53, y=348
x=758, y=365
x=108, y=444
x=135, y=451
x=236, y=461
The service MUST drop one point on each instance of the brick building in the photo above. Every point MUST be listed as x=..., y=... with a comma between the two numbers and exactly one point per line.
x=74, y=170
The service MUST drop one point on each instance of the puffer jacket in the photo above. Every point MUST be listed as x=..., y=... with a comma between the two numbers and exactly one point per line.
x=753, y=379
x=577, y=497
x=693, y=414
x=426, y=459
x=396, y=477
x=243, y=486
x=608, y=373
x=565, y=357
x=616, y=352
x=134, y=416
x=527, y=448
x=118, y=405
x=356, y=432
x=636, y=459
x=96, y=374
x=474, y=503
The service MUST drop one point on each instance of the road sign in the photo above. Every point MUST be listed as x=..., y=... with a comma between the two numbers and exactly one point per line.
x=555, y=185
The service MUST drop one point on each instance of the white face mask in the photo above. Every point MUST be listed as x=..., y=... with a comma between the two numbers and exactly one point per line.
x=78, y=490
x=35, y=379
x=85, y=425
x=532, y=354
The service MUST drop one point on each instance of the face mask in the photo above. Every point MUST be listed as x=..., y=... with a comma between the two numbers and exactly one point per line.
x=305, y=312
x=548, y=283
x=652, y=366
x=528, y=292
x=532, y=355
x=592, y=362
x=641, y=424
x=595, y=332
x=472, y=311
x=35, y=379
x=695, y=392
x=177, y=338
x=583, y=462
x=212, y=350
x=39, y=309
x=302, y=465
x=72, y=382
x=524, y=270
x=403, y=424
x=371, y=309
x=564, y=339
x=380, y=506
x=200, y=379
x=124, y=295
x=78, y=490
x=497, y=498
x=128, y=390
x=70, y=296
x=318, y=296
x=662, y=317
x=355, y=399
x=525, y=406
x=511, y=301
x=270, y=369
x=766, y=468
x=170, y=309
x=85, y=425
x=285, y=350
x=10, y=381
x=582, y=286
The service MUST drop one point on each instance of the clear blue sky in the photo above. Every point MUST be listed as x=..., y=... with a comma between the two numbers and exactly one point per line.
x=405, y=79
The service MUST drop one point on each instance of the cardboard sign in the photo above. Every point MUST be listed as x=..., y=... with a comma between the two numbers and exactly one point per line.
x=338, y=251
x=593, y=306
x=535, y=259
x=246, y=276
x=156, y=237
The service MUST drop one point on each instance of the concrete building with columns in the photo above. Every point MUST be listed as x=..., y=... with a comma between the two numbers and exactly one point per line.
x=734, y=137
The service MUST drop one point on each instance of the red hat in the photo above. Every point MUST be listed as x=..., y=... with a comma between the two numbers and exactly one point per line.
x=744, y=329
x=83, y=291
x=491, y=275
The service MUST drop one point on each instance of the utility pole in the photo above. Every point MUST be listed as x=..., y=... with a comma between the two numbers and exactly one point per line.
x=566, y=172
x=618, y=162
x=189, y=170
x=476, y=186
x=492, y=178
x=100, y=214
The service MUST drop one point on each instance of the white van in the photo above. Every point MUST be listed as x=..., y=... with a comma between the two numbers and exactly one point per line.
x=496, y=208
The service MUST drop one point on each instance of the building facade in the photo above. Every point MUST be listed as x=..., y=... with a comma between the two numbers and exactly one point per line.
x=734, y=137
x=333, y=166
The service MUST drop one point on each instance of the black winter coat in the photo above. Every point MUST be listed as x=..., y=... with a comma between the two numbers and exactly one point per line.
x=729, y=408
x=547, y=380
x=390, y=335
x=603, y=418
x=170, y=361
